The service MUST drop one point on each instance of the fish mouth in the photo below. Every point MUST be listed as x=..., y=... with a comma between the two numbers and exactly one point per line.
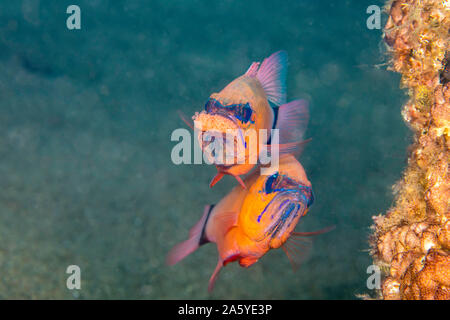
x=226, y=116
x=235, y=121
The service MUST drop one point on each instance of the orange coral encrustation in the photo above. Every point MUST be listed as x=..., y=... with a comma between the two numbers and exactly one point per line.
x=411, y=243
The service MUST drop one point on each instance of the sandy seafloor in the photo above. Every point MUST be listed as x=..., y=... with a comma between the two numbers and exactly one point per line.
x=85, y=121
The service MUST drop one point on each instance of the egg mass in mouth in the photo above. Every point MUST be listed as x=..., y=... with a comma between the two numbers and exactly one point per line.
x=221, y=138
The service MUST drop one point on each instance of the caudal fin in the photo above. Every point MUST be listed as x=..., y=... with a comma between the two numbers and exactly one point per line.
x=271, y=73
x=183, y=249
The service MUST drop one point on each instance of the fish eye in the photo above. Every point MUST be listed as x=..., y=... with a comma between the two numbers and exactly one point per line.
x=212, y=105
x=271, y=183
x=246, y=112
x=243, y=112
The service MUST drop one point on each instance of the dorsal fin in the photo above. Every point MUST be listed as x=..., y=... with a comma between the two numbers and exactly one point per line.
x=253, y=70
x=272, y=76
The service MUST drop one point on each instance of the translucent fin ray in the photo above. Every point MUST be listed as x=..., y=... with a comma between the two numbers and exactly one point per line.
x=293, y=118
x=272, y=76
x=183, y=249
x=213, y=278
x=185, y=119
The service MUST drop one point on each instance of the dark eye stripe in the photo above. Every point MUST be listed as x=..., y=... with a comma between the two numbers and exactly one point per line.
x=241, y=111
x=244, y=112
x=212, y=104
x=270, y=183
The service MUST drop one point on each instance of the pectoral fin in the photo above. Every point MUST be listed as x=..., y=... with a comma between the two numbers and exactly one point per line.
x=219, y=175
x=186, y=120
x=298, y=246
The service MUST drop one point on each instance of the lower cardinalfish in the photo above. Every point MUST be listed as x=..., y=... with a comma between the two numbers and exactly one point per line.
x=247, y=223
x=252, y=103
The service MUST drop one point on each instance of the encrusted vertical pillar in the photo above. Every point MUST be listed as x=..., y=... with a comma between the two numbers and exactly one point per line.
x=411, y=243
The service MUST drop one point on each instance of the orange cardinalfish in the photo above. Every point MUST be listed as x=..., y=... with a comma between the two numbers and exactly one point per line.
x=253, y=101
x=247, y=223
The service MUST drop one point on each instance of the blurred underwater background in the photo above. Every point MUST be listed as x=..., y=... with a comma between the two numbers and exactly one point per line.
x=85, y=152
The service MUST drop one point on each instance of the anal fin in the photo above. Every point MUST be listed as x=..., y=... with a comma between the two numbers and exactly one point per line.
x=213, y=278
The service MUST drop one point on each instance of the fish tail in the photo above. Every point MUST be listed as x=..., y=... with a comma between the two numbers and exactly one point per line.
x=195, y=240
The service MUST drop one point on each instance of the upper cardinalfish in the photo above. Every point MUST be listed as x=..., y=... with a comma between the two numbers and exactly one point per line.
x=247, y=223
x=246, y=104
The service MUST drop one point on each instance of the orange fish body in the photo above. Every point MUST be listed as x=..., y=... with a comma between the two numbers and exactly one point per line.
x=255, y=220
x=245, y=106
x=247, y=223
x=260, y=224
x=247, y=89
x=213, y=226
